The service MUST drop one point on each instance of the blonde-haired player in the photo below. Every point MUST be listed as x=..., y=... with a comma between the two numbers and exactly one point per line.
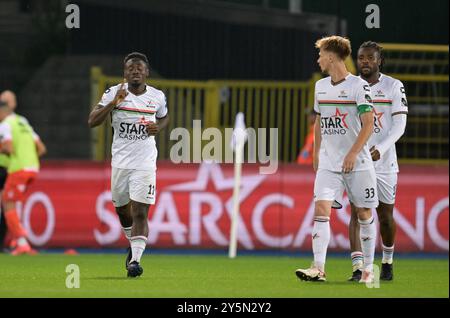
x=342, y=158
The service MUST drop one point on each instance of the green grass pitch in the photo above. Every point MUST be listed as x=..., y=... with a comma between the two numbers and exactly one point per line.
x=188, y=276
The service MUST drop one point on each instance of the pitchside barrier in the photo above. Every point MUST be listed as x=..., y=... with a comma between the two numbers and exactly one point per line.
x=194, y=204
x=423, y=69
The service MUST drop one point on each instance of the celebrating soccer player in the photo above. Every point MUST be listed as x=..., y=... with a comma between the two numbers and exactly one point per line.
x=138, y=113
x=390, y=109
x=342, y=159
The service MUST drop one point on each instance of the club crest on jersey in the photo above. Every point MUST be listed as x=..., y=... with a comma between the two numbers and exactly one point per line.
x=377, y=125
x=334, y=125
x=151, y=105
x=379, y=93
x=343, y=94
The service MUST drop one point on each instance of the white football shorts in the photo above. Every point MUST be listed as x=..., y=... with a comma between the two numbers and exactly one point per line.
x=135, y=185
x=387, y=187
x=361, y=187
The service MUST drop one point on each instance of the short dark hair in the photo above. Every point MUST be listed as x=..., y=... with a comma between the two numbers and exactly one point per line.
x=376, y=47
x=136, y=55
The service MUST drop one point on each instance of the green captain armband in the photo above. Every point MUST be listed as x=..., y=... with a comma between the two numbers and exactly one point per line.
x=364, y=108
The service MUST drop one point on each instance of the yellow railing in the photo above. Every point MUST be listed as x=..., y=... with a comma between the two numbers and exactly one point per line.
x=423, y=69
x=406, y=47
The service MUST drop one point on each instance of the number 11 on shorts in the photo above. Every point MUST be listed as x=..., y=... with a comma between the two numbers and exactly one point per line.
x=151, y=191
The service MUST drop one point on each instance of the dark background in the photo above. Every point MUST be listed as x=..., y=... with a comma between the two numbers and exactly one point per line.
x=48, y=65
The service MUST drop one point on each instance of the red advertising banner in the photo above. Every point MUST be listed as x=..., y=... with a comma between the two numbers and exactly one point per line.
x=70, y=206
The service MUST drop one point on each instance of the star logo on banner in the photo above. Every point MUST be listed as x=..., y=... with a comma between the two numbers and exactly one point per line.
x=211, y=171
x=341, y=116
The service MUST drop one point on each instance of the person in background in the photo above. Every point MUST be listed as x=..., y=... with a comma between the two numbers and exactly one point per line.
x=4, y=162
x=24, y=147
x=305, y=157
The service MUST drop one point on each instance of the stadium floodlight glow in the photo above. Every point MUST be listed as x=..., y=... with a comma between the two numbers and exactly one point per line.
x=237, y=144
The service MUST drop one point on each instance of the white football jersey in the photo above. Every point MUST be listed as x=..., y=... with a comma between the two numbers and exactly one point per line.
x=389, y=98
x=339, y=106
x=132, y=147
